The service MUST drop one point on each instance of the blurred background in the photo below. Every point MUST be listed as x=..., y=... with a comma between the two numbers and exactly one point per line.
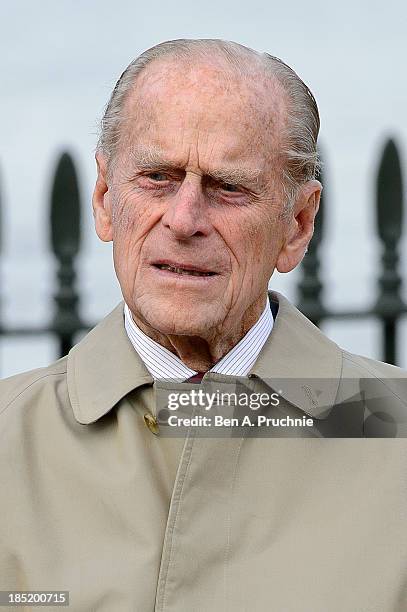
x=58, y=64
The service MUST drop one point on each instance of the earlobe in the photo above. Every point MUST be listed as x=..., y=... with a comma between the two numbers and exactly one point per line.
x=101, y=202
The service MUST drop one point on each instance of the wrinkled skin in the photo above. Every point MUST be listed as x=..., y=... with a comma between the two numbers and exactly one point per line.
x=196, y=180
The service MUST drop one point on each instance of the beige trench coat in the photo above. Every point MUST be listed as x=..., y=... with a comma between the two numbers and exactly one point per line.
x=94, y=503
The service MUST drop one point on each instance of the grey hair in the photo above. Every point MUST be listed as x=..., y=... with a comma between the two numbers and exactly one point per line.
x=300, y=155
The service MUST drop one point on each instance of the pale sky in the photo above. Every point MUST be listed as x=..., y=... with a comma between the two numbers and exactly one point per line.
x=58, y=64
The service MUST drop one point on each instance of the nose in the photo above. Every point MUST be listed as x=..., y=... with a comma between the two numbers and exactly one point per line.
x=186, y=215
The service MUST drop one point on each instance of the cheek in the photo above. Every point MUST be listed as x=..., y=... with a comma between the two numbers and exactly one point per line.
x=257, y=239
x=133, y=219
x=259, y=249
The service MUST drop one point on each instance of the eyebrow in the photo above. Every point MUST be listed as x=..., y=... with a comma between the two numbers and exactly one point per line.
x=146, y=157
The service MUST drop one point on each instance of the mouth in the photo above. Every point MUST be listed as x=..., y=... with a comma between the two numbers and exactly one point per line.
x=183, y=269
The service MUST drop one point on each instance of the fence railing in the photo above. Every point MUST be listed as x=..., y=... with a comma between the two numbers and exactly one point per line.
x=388, y=307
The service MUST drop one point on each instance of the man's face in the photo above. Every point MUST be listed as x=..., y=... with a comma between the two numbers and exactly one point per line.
x=196, y=186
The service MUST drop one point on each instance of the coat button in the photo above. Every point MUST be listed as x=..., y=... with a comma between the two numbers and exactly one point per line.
x=151, y=423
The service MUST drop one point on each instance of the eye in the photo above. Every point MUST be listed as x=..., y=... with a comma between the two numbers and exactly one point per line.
x=230, y=188
x=159, y=177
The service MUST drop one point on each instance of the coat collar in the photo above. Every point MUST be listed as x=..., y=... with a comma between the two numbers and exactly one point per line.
x=102, y=368
x=297, y=359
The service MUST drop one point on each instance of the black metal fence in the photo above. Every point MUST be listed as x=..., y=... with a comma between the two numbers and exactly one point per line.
x=388, y=308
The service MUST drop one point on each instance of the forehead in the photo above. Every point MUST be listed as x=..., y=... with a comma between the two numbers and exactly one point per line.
x=207, y=106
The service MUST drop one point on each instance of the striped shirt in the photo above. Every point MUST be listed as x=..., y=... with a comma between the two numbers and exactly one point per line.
x=163, y=364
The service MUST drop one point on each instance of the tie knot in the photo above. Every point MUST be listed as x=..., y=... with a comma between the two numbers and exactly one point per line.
x=196, y=378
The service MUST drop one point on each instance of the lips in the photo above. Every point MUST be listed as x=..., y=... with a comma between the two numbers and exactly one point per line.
x=185, y=269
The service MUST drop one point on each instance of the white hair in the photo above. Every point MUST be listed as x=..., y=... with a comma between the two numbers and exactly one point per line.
x=300, y=156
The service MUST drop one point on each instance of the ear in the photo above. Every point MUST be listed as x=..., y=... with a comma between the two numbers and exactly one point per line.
x=101, y=203
x=300, y=227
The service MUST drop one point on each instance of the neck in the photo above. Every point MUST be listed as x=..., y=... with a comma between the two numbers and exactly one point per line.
x=201, y=352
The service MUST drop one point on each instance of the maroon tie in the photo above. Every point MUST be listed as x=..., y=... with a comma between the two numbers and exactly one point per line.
x=196, y=378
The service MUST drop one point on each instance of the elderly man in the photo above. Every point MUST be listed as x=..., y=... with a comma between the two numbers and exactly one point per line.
x=206, y=184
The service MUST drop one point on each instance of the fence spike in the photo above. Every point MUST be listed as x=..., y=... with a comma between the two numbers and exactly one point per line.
x=389, y=215
x=65, y=243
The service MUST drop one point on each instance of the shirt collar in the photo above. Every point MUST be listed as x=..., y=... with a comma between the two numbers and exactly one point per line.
x=104, y=367
x=162, y=363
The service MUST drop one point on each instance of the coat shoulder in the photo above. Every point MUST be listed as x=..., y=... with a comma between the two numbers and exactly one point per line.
x=391, y=379
x=16, y=386
x=371, y=367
